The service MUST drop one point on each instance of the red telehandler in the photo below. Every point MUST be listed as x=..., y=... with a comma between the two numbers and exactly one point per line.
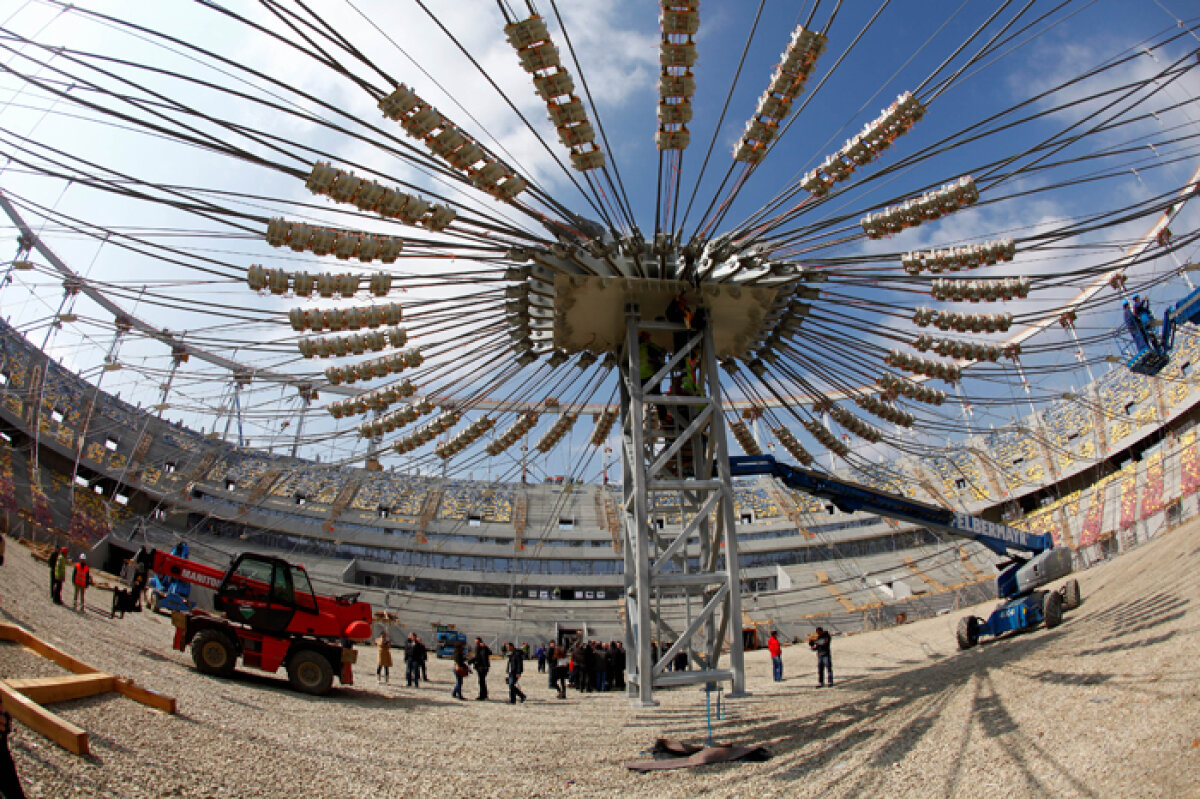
x=266, y=613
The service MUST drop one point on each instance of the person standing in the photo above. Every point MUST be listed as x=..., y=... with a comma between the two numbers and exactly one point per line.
x=1141, y=309
x=619, y=665
x=560, y=662
x=82, y=578
x=420, y=655
x=776, y=650
x=58, y=574
x=10, y=784
x=651, y=358
x=412, y=669
x=423, y=653
x=516, y=667
x=588, y=675
x=541, y=658
x=820, y=644
x=602, y=667
x=482, y=661
x=383, y=671
x=461, y=670
x=53, y=564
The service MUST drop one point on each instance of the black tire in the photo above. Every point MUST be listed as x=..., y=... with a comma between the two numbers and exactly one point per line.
x=1052, y=609
x=213, y=653
x=309, y=672
x=1070, y=592
x=968, y=632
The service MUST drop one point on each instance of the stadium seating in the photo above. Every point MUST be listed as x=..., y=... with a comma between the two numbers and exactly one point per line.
x=8, y=492
x=417, y=543
x=89, y=518
x=462, y=500
x=754, y=500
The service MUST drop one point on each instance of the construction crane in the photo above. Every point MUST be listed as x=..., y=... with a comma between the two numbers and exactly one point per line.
x=1032, y=560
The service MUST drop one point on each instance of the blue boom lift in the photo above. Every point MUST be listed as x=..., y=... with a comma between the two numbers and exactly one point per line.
x=170, y=594
x=447, y=638
x=1032, y=560
x=1153, y=352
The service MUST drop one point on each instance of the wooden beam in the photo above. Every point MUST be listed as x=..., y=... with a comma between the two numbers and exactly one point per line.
x=121, y=685
x=39, y=719
x=11, y=632
x=144, y=695
x=48, y=690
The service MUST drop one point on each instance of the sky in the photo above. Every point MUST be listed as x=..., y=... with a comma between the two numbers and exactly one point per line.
x=53, y=140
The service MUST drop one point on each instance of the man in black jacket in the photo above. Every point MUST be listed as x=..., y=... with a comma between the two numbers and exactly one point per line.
x=424, y=653
x=414, y=654
x=516, y=667
x=819, y=643
x=481, y=660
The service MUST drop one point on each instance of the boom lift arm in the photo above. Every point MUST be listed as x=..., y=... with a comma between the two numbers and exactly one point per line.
x=1033, y=560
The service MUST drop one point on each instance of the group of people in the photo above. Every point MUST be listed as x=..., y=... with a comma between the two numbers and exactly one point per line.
x=416, y=654
x=586, y=666
x=480, y=660
x=81, y=578
x=818, y=642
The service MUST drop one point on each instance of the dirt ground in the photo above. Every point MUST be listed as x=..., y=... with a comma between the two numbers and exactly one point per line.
x=1105, y=705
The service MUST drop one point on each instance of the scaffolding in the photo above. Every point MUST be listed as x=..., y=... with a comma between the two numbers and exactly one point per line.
x=674, y=444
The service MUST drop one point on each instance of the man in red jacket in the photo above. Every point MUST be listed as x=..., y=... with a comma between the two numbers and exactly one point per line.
x=776, y=651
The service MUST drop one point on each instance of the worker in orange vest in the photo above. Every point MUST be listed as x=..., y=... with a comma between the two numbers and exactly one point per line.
x=82, y=578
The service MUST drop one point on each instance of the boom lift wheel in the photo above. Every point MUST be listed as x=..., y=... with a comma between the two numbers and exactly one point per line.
x=1070, y=591
x=1052, y=609
x=310, y=672
x=213, y=653
x=968, y=632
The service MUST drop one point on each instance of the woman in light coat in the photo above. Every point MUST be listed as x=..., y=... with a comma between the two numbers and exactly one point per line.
x=383, y=670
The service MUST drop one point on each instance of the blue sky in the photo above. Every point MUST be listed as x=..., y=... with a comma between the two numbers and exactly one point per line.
x=617, y=47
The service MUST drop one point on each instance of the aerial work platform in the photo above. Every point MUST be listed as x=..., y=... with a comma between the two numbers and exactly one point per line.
x=1153, y=353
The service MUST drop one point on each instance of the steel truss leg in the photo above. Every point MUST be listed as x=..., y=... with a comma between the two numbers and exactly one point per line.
x=682, y=582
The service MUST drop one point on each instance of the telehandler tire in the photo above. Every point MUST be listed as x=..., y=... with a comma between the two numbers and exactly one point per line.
x=310, y=672
x=214, y=653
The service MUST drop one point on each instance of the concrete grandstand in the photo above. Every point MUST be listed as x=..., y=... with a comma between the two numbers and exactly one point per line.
x=528, y=561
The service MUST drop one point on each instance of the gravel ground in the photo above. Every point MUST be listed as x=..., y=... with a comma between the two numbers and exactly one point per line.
x=1104, y=706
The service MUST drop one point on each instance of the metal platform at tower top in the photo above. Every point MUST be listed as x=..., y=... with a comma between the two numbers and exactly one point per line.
x=589, y=312
x=672, y=440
